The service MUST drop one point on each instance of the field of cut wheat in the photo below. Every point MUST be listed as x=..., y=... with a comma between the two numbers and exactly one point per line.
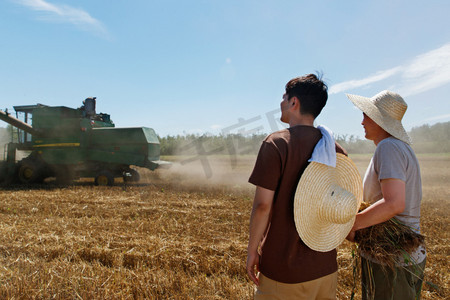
x=179, y=234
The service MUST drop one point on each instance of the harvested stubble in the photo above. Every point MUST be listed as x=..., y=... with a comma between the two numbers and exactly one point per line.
x=168, y=239
x=107, y=243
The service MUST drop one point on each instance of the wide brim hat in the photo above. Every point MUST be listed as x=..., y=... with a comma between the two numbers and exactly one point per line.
x=326, y=202
x=386, y=109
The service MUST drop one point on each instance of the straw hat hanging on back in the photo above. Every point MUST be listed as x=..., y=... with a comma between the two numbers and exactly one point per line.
x=326, y=202
x=386, y=109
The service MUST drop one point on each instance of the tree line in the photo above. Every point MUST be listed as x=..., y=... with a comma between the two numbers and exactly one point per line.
x=426, y=139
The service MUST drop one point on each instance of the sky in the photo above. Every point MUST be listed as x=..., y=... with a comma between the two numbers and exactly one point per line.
x=217, y=67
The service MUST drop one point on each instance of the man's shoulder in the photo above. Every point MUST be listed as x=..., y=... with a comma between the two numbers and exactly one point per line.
x=295, y=131
x=277, y=135
x=394, y=151
x=391, y=144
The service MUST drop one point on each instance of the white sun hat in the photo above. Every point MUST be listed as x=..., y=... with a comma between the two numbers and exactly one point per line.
x=386, y=109
x=326, y=202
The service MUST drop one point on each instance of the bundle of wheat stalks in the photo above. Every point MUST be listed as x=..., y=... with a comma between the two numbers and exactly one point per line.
x=388, y=241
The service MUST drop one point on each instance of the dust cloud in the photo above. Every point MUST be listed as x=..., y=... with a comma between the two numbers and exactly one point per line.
x=221, y=173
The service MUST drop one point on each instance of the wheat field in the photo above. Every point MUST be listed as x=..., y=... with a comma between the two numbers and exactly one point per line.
x=179, y=234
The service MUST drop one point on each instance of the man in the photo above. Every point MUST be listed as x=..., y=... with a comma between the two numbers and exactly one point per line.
x=392, y=184
x=287, y=267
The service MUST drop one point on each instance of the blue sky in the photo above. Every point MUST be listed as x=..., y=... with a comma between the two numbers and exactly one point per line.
x=221, y=66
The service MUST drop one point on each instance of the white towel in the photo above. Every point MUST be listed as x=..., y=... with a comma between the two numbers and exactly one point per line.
x=325, y=150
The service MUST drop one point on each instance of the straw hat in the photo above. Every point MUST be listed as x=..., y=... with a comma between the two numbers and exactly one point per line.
x=386, y=109
x=326, y=202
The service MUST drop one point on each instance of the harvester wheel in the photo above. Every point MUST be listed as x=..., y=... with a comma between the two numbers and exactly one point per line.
x=104, y=178
x=133, y=176
x=29, y=173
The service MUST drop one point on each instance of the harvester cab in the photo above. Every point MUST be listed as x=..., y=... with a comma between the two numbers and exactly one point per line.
x=69, y=143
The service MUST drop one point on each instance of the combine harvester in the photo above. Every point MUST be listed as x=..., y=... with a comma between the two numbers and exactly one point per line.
x=69, y=143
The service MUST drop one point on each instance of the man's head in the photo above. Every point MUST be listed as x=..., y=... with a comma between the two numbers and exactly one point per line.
x=372, y=130
x=310, y=91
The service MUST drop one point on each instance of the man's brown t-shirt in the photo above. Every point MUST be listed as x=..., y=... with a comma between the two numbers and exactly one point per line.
x=282, y=158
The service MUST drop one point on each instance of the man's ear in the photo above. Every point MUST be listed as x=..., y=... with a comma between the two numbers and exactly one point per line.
x=295, y=103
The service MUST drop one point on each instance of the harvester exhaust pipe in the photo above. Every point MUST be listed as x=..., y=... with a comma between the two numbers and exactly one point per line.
x=89, y=106
x=17, y=123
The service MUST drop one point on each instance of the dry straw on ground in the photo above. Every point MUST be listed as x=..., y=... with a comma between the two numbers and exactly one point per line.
x=174, y=237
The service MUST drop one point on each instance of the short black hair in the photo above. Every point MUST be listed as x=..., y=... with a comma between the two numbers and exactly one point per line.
x=311, y=91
